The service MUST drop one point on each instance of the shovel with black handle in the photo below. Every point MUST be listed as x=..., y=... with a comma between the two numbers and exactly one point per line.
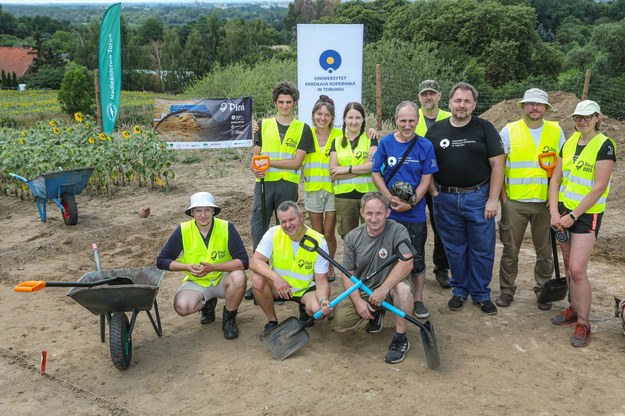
x=553, y=290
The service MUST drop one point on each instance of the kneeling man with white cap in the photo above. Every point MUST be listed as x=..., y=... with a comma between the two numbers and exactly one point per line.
x=211, y=253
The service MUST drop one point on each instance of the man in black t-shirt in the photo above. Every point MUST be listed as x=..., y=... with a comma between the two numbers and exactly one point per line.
x=465, y=193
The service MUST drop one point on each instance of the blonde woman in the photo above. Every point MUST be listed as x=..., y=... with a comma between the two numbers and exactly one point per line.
x=319, y=198
x=577, y=197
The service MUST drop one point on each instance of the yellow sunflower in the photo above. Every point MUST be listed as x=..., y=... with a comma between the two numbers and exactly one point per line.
x=69, y=130
x=102, y=137
x=56, y=131
x=159, y=182
x=78, y=117
x=22, y=141
x=23, y=133
x=126, y=134
x=53, y=123
x=110, y=139
x=137, y=129
x=91, y=140
x=87, y=125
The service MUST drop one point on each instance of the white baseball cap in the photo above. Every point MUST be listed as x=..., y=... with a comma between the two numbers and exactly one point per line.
x=202, y=199
x=586, y=108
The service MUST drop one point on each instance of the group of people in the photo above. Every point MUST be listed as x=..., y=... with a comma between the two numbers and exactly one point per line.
x=454, y=162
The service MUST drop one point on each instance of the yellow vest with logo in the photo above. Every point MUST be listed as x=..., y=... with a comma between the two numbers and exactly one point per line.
x=195, y=251
x=346, y=157
x=279, y=151
x=525, y=179
x=317, y=164
x=581, y=174
x=298, y=270
x=422, y=128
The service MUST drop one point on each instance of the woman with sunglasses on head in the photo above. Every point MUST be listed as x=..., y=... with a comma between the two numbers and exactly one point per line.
x=319, y=197
x=350, y=167
x=577, y=196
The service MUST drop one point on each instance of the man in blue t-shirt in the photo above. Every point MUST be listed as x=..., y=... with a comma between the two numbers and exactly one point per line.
x=409, y=158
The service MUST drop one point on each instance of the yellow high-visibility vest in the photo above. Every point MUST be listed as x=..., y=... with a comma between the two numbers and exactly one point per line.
x=581, y=174
x=525, y=179
x=422, y=128
x=298, y=270
x=317, y=164
x=279, y=151
x=346, y=157
x=195, y=251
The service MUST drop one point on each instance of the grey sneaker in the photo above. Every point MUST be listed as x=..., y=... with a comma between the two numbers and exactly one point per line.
x=420, y=311
x=376, y=324
x=397, y=350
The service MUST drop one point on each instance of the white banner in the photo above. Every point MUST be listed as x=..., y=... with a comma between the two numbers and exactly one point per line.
x=329, y=62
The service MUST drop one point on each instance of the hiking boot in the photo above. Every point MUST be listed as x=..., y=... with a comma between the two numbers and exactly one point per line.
x=504, y=300
x=398, y=349
x=544, y=306
x=305, y=319
x=419, y=310
x=229, y=324
x=581, y=336
x=443, y=279
x=488, y=307
x=456, y=303
x=376, y=324
x=249, y=294
x=566, y=317
x=268, y=327
x=208, y=312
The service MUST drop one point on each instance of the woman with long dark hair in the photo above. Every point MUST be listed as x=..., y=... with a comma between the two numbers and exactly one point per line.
x=350, y=167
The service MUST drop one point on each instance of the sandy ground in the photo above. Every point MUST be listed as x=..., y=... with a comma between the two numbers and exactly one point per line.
x=515, y=362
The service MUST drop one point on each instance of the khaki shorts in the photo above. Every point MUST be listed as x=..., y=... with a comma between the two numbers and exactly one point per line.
x=346, y=317
x=319, y=201
x=347, y=215
x=210, y=292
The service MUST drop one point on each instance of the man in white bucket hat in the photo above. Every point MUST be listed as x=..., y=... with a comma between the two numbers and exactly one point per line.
x=525, y=193
x=213, y=259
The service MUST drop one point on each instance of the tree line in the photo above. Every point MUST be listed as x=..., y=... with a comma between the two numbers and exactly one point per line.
x=498, y=45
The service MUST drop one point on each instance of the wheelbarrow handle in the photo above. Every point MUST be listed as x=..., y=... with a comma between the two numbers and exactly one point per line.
x=21, y=178
x=258, y=158
x=35, y=285
x=548, y=167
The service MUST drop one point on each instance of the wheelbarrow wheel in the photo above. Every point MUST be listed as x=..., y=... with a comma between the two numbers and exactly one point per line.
x=70, y=216
x=119, y=340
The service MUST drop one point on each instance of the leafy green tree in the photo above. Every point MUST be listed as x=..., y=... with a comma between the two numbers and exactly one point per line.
x=77, y=93
x=609, y=40
x=195, y=55
x=48, y=77
x=357, y=11
x=151, y=30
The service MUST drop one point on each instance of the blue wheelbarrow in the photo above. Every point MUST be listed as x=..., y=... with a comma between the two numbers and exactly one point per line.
x=61, y=187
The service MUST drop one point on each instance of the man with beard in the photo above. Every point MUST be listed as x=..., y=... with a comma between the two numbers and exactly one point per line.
x=465, y=193
x=525, y=193
x=429, y=113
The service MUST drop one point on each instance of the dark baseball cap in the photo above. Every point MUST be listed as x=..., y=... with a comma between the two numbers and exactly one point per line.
x=429, y=85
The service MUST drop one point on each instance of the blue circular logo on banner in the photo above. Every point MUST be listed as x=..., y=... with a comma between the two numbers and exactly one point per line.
x=330, y=60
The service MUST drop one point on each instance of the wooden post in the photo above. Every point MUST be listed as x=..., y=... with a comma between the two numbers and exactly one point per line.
x=378, y=96
x=98, y=112
x=586, y=85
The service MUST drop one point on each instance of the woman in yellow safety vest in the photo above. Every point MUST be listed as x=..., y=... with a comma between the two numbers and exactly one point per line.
x=319, y=196
x=577, y=196
x=350, y=168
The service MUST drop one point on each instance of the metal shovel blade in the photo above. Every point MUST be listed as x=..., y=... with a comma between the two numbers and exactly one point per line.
x=429, y=346
x=286, y=338
x=554, y=290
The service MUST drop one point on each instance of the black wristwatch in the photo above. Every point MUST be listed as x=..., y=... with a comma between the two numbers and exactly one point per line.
x=572, y=216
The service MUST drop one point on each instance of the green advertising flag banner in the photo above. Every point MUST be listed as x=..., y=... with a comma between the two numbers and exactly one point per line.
x=110, y=66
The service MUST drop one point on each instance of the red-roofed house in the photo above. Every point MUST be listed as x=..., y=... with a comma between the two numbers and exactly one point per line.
x=16, y=60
